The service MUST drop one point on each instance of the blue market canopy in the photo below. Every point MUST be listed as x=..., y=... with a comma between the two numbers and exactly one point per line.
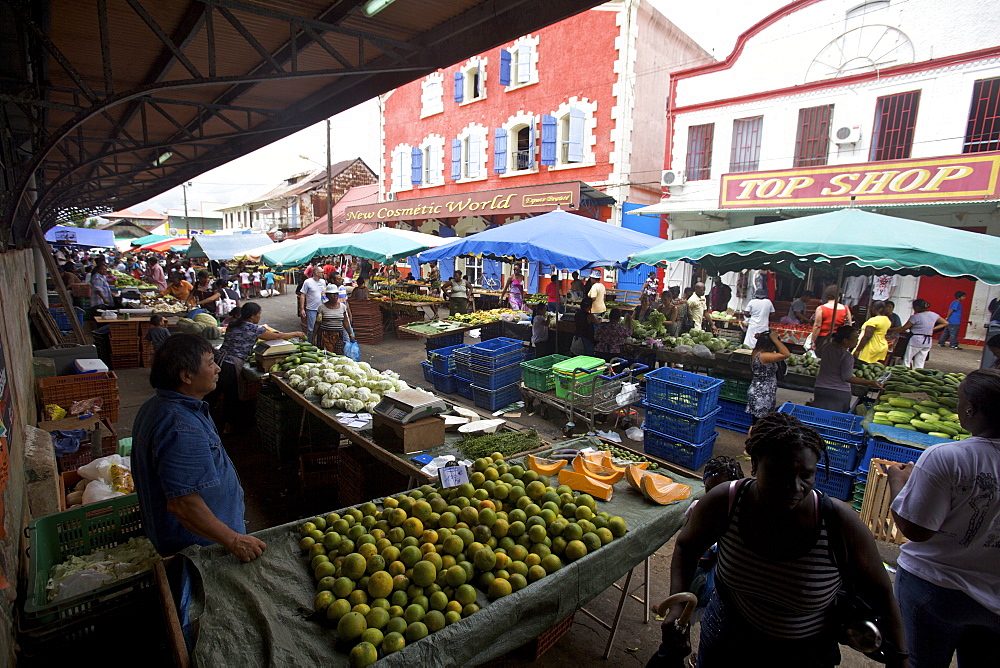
x=224, y=246
x=856, y=241
x=558, y=238
x=80, y=236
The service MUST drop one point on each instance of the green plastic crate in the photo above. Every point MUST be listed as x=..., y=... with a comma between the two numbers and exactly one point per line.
x=537, y=373
x=733, y=389
x=565, y=381
x=80, y=531
x=125, y=447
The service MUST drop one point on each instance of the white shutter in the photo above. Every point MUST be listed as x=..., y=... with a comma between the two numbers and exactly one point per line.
x=524, y=53
x=435, y=165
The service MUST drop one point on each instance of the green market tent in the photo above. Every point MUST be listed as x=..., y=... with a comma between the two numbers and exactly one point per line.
x=851, y=240
x=296, y=252
x=387, y=244
x=224, y=246
x=150, y=239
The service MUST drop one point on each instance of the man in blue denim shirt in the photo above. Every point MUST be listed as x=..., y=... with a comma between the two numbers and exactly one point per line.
x=189, y=493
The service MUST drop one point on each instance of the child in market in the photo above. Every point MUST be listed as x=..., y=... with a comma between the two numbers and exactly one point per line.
x=159, y=333
x=269, y=283
x=255, y=277
x=244, y=283
x=539, y=330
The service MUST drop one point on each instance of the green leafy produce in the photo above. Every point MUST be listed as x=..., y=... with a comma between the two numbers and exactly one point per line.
x=126, y=281
x=107, y=564
x=507, y=443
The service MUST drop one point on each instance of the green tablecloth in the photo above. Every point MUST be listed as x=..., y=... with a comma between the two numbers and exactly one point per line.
x=257, y=614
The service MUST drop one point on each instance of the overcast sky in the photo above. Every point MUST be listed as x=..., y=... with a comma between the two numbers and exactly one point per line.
x=714, y=24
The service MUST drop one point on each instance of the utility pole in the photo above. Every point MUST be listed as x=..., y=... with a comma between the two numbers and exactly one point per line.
x=187, y=223
x=329, y=185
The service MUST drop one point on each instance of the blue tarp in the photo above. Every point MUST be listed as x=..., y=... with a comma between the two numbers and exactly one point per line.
x=224, y=246
x=558, y=238
x=80, y=236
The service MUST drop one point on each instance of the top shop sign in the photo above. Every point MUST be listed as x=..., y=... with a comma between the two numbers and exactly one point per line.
x=962, y=177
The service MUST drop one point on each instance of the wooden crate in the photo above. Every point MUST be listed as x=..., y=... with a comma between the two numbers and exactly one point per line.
x=875, y=512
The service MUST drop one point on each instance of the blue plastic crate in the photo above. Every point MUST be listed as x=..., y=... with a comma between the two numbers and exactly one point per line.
x=494, y=400
x=495, y=347
x=492, y=330
x=443, y=382
x=682, y=391
x=679, y=425
x=881, y=449
x=689, y=455
x=842, y=454
x=843, y=426
x=463, y=371
x=447, y=341
x=492, y=379
x=463, y=387
x=443, y=359
x=838, y=484
x=428, y=370
x=733, y=416
x=62, y=320
x=497, y=362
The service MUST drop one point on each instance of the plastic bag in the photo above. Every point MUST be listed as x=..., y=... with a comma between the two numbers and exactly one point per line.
x=86, y=406
x=54, y=412
x=634, y=433
x=352, y=350
x=100, y=469
x=701, y=350
x=98, y=490
x=683, y=349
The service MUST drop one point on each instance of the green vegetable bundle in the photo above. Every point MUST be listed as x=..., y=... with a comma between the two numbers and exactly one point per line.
x=507, y=443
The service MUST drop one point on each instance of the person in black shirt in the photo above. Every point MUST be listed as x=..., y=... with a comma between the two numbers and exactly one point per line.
x=159, y=332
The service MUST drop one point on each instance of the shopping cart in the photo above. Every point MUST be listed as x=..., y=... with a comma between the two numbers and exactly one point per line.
x=587, y=396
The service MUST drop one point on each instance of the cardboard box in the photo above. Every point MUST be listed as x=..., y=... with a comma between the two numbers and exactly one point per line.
x=412, y=437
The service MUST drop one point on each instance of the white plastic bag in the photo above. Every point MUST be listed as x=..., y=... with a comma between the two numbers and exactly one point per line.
x=701, y=350
x=99, y=468
x=98, y=490
x=634, y=433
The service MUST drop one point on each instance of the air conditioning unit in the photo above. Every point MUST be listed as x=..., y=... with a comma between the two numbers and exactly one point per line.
x=671, y=177
x=390, y=197
x=847, y=134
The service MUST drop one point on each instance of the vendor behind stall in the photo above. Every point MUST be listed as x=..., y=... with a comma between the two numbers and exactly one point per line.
x=177, y=288
x=189, y=493
x=797, y=311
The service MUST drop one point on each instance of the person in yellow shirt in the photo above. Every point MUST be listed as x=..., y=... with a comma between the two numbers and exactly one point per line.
x=873, y=345
x=177, y=287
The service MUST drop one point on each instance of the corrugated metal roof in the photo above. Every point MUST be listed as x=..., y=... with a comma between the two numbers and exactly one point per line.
x=138, y=96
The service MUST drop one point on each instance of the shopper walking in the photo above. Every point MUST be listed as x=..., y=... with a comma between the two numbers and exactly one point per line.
x=759, y=310
x=334, y=328
x=767, y=354
x=784, y=550
x=948, y=505
x=514, y=290
x=954, y=319
x=310, y=298
x=828, y=317
x=584, y=325
x=921, y=325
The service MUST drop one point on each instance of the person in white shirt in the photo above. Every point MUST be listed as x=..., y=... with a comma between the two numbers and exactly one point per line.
x=698, y=307
x=245, y=284
x=597, y=292
x=759, y=312
x=948, y=505
x=310, y=299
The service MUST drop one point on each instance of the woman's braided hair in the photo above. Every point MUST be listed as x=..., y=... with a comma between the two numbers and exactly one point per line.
x=723, y=465
x=782, y=434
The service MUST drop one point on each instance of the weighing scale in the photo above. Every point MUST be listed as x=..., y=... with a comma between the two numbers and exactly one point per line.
x=408, y=406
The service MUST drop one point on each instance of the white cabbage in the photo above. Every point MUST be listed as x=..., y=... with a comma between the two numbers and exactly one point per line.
x=322, y=388
x=363, y=393
x=327, y=402
x=310, y=392
x=355, y=406
x=330, y=376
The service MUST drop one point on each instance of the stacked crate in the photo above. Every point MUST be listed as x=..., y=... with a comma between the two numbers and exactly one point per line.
x=844, y=437
x=124, y=340
x=442, y=371
x=366, y=319
x=362, y=477
x=65, y=390
x=278, y=418
x=681, y=412
x=493, y=368
x=733, y=403
x=146, y=350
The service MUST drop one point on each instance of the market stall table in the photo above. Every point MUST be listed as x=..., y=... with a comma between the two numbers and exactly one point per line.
x=268, y=600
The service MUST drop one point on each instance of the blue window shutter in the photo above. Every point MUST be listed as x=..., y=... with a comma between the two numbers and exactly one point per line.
x=456, y=159
x=416, y=166
x=504, y=67
x=459, y=87
x=577, y=120
x=500, y=151
x=549, y=127
x=474, y=151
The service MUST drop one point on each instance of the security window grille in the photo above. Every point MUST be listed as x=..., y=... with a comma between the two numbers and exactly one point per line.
x=892, y=134
x=983, y=131
x=699, y=152
x=745, y=155
x=812, y=141
x=523, y=155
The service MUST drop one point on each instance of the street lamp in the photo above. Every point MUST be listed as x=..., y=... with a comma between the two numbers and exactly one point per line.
x=187, y=223
x=329, y=188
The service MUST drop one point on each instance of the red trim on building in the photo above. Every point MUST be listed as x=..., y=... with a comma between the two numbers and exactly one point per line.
x=888, y=72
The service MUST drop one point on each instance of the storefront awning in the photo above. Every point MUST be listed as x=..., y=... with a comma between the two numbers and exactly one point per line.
x=666, y=207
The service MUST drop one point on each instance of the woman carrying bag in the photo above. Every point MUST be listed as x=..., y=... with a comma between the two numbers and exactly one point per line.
x=334, y=319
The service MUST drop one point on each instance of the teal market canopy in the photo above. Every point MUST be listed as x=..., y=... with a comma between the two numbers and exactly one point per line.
x=151, y=239
x=858, y=242
x=224, y=246
x=388, y=244
x=296, y=252
x=557, y=238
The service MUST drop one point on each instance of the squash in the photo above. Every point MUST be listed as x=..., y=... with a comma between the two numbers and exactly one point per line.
x=596, y=471
x=662, y=490
x=211, y=332
x=634, y=475
x=609, y=463
x=596, y=457
x=581, y=482
x=544, y=466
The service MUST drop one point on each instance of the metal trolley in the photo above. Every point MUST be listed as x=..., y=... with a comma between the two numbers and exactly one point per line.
x=590, y=398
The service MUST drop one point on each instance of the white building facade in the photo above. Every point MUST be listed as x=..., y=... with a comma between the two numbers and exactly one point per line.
x=892, y=106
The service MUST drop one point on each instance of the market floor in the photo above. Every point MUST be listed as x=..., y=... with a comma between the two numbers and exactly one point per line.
x=273, y=495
